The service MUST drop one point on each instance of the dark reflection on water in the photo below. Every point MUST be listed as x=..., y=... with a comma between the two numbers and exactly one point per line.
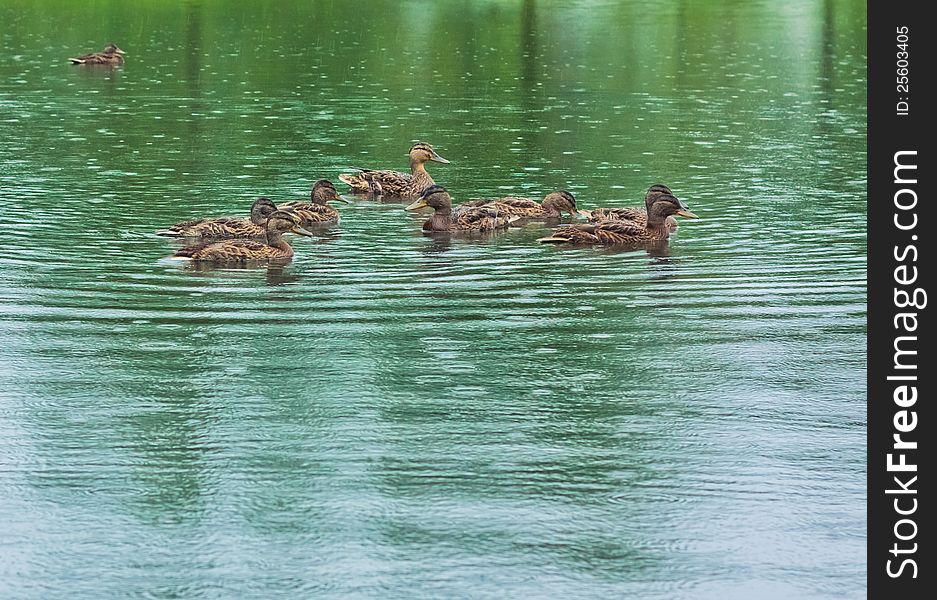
x=274, y=274
x=392, y=411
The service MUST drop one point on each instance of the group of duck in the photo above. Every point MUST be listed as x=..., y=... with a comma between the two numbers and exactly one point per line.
x=259, y=237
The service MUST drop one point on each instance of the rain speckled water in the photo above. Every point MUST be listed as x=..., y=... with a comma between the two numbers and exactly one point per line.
x=393, y=415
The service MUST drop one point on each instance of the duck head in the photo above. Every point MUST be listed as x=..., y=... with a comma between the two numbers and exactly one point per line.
x=422, y=152
x=666, y=205
x=435, y=197
x=261, y=209
x=658, y=190
x=281, y=221
x=112, y=48
x=561, y=201
x=323, y=192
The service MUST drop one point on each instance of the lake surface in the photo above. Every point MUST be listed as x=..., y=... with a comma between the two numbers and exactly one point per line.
x=392, y=415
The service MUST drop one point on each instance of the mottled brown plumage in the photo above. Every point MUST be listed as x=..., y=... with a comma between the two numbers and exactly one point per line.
x=468, y=219
x=273, y=248
x=635, y=215
x=395, y=183
x=112, y=55
x=618, y=232
x=221, y=228
x=530, y=210
x=316, y=211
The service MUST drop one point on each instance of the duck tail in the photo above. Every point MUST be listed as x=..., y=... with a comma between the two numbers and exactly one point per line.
x=189, y=251
x=77, y=61
x=360, y=183
x=169, y=233
x=552, y=239
x=354, y=180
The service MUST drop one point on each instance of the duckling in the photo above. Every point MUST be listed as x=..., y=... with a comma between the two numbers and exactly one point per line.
x=617, y=232
x=316, y=211
x=274, y=248
x=395, y=183
x=221, y=228
x=635, y=215
x=530, y=210
x=112, y=55
x=476, y=218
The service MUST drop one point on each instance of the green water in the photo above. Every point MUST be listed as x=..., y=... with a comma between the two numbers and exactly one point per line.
x=392, y=415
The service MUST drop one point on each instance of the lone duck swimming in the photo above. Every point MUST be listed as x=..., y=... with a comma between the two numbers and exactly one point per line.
x=395, y=183
x=316, y=210
x=112, y=55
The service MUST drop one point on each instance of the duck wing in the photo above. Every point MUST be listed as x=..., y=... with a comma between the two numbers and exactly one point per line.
x=621, y=214
x=482, y=218
x=379, y=181
x=231, y=251
x=97, y=58
x=609, y=232
x=312, y=214
x=218, y=228
x=635, y=215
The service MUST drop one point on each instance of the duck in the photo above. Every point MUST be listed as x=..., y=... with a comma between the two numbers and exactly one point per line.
x=621, y=232
x=467, y=219
x=530, y=210
x=316, y=210
x=273, y=248
x=112, y=55
x=635, y=215
x=395, y=183
x=221, y=228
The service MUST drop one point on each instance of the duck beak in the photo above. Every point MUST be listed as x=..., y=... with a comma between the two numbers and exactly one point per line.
x=686, y=213
x=574, y=213
x=340, y=199
x=421, y=203
x=300, y=231
x=585, y=213
x=119, y=51
x=439, y=159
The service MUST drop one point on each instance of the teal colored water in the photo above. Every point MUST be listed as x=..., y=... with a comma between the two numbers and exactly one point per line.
x=391, y=415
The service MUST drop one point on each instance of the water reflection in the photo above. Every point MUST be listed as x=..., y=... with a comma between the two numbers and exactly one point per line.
x=379, y=198
x=656, y=250
x=170, y=439
x=274, y=274
x=111, y=73
x=192, y=69
x=440, y=241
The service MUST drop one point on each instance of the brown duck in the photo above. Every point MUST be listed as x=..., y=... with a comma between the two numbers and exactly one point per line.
x=618, y=232
x=395, y=183
x=112, y=55
x=552, y=207
x=468, y=219
x=221, y=228
x=635, y=215
x=316, y=210
x=274, y=248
